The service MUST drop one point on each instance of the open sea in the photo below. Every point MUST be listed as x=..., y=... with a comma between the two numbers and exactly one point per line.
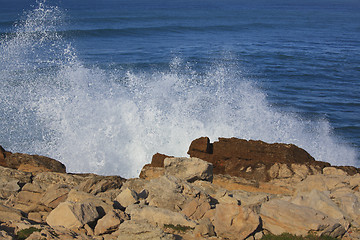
x=103, y=85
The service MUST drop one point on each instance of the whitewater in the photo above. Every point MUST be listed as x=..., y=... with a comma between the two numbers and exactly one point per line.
x=111, y=121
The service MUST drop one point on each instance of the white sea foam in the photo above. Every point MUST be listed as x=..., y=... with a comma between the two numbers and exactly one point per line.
x=113, y=121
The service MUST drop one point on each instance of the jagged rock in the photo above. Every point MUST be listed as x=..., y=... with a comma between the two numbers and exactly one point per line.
x=77, y=196
x=155, y=169
x=348, y=203
x=250, y=159
x=127, y=197
x=49, y=178
x=54, y=195
x=9, y=214
x=11, y=181
x=141, y=230
x=280, y=216
x=96, y=184
x=322, y=183
x=109, y=222
x=320, y=201
x=148, y=172
x=197, y=208
x=334, y=171
x=204, y=229
x=189, y=169
x=166, y=192
x=33, y=163
x=3, y=155
x=5, y=236
x=72, y=215
x=136, y=184
x=235, y=222
x=158, y=216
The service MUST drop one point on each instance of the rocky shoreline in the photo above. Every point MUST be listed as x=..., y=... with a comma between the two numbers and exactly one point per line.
x=229, y=189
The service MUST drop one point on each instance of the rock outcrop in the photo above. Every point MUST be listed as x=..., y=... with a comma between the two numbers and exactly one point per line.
x=257, y=160
x=187, y=199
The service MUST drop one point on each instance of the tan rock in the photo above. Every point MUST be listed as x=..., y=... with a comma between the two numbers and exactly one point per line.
x=5, y=236
x=349, y=203
x=8, y=187
x=109, y=223
x=166, y=192
x=234, y=221
x=72, y=215
x=96, y=184
x=127, y=197
x=204, y=229
x=158, y=216
x=280, y=170
x=300, y=170
x=334, y=171
x=149, y=172
x=322, y=183
x=9, y=214
x=10, y=181
x=54, y=195
x=281, y=216
x=141, y=230
x=77, y=196
x=196, y=209
x=320, y=201
x=189, y=169
x=49, y=178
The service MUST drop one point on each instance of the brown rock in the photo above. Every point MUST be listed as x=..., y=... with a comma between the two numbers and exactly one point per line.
x=33, y=163
x=250, y=159
x=158, y=160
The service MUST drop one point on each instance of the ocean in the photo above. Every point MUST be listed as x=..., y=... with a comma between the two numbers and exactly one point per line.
x=103, y=85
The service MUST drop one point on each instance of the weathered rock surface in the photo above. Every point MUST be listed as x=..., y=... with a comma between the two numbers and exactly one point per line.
x=140, y=230
x=158, y=216
x=189, y=169
x=280, y=216
x=235, y=222
x=72, y=215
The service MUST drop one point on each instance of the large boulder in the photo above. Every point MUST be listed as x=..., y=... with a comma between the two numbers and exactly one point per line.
x=72, y=215
x=251, y=159
x=280, y=216
x=167, y=192
x=110, y=222
x=235, y=222
x=189, y=169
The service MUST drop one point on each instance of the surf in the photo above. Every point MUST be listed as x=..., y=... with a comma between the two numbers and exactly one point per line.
x=112, y=120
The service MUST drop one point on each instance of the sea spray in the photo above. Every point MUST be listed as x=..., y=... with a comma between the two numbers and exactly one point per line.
x=111, y=121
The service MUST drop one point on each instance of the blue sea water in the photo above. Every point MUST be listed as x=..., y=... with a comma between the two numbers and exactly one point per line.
x=103, y=85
